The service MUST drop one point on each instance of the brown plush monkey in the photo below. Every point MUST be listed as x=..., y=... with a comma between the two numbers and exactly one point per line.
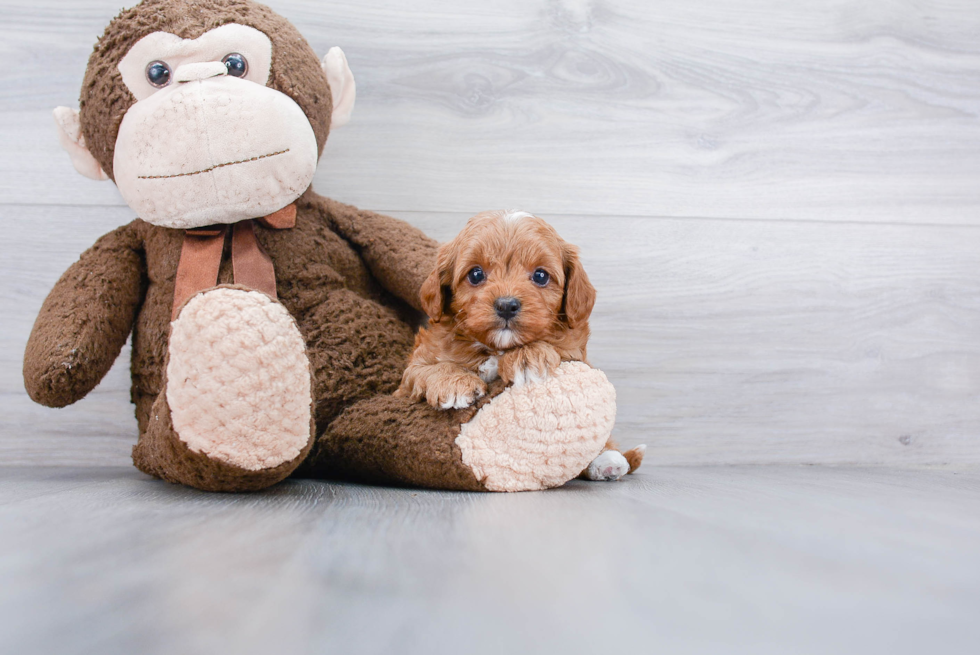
x=263, y=315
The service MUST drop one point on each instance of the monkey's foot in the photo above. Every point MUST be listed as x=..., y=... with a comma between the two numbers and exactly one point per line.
x=540, y=435
x=523, y=438
x=236, y=413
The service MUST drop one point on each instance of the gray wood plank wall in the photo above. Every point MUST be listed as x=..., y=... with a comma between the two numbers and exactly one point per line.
x=778, y=202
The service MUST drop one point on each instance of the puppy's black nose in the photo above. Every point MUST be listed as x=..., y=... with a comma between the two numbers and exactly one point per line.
x=507, y=307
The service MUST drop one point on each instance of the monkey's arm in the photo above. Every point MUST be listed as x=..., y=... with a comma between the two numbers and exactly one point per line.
x=85, y=320
x=399, y=255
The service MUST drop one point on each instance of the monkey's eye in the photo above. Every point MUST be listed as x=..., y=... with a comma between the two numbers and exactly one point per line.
x=236, y=64
x=540, y=277
x=158, y=74
x=476, y=275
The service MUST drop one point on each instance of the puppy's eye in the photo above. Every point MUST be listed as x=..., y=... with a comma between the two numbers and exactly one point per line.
x=236, y=64
x=476, y=275
x=540, y=277
x=158, y=74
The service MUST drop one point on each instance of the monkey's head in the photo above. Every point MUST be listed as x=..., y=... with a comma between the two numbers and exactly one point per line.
x=205, y=111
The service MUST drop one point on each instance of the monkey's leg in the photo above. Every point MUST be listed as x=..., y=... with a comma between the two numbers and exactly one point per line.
x=236, y=410
x=358, y=350
x=531, y=437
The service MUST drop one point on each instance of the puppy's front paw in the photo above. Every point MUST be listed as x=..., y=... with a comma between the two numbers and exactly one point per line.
x=607, y=467
x=528, y=375
x=455, y=391
x=530, y=364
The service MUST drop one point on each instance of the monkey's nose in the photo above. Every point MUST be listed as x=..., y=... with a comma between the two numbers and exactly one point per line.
x=507, y=307
x=201, y=70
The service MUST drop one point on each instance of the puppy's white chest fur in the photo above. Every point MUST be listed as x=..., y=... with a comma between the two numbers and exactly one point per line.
x=488, y=369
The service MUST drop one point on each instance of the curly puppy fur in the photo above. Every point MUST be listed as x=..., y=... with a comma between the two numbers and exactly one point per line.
x=524, y=312
x=499, y=257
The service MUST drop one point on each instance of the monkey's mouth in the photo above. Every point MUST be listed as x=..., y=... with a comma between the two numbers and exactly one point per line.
x=211, y=168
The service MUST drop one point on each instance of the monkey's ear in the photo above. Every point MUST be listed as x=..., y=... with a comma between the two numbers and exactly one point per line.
x=342, y=86
x=70, y=136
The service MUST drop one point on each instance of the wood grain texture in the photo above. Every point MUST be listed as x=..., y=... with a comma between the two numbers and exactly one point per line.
x=779, y=205
x=672, y=560
x=835, y=111
x=727, y=341
x=805, y=339
x=751, y=342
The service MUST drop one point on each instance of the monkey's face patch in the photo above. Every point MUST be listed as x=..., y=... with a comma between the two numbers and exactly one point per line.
x=207, y=141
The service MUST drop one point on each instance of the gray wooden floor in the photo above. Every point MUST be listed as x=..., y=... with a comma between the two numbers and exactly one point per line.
x=779, y=204
x=777, y=559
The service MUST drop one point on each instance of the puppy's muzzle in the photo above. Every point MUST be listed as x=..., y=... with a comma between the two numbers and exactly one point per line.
x=507, y=307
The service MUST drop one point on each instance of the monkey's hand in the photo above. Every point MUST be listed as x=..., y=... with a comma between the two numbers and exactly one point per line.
x=85, y=320
x=531, y=363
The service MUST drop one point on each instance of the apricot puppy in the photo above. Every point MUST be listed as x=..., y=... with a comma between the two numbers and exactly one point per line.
x=509, y=298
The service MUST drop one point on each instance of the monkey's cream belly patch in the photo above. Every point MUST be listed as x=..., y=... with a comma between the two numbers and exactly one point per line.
x=540, y=435
x=238, y=379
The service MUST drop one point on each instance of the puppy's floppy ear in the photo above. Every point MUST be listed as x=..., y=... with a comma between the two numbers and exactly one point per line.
x=579, y=298
x=436, y=292
x=431, y=296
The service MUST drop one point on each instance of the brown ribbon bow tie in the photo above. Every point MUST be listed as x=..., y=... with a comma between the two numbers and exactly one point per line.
x=200, y=257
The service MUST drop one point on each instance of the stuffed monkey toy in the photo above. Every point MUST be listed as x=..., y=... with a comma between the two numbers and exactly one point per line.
x=269, y=324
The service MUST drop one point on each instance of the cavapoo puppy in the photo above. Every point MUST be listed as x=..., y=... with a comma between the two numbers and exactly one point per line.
x=509, y=298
